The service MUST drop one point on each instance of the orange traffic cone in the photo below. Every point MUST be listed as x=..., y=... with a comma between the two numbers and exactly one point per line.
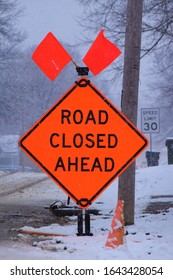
x=116, y=235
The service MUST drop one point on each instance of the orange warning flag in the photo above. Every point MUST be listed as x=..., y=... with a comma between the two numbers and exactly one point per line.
x=50, y=56
x=101, y=53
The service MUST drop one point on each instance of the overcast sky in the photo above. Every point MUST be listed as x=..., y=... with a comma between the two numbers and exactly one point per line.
x=58, y=16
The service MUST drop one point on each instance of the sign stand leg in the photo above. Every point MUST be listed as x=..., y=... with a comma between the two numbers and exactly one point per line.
x=87, y=224
x=80, y=223
x=84, y=216
x=68, y=200
x=150, y=142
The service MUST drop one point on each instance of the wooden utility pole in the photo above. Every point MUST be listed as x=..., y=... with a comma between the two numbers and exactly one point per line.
x=129, y=102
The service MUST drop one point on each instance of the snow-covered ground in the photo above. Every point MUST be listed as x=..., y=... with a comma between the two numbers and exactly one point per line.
x=150, y=238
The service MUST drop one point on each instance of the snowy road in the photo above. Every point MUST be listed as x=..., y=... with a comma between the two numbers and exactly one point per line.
x=22, y=201
x=149, y=238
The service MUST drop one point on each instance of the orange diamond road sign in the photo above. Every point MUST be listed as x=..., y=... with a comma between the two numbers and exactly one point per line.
x=83, y=142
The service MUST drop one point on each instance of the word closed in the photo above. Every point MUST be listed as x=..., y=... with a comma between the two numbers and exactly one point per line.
x=88, y=140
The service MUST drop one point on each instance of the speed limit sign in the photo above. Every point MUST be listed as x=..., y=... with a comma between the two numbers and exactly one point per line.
x=150, y=120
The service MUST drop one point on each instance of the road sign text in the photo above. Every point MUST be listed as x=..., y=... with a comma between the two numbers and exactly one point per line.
x=79, y=117
x=150, y=120
x=83, y=142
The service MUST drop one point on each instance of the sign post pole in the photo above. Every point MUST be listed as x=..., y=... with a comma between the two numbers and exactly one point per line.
x=129, y=100
x=151, y=142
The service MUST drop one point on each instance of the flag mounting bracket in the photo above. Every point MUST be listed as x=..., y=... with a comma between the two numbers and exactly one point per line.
x=82, y=71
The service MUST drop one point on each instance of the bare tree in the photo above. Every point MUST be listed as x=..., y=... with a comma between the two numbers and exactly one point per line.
x=10, y=36
x=157, y=43
x=27, y=93
x=163, y=93
x=10, y=39
x=157, y=26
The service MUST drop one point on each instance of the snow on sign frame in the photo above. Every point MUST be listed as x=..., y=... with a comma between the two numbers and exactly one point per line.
x=83, y=142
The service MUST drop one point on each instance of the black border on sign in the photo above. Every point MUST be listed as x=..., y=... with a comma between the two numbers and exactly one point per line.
x=83, y=202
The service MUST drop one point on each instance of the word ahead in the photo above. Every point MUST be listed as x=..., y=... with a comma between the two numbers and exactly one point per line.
x=83, y=142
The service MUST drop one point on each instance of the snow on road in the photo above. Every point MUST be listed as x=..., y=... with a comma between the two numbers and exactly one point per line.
x=149, y=238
